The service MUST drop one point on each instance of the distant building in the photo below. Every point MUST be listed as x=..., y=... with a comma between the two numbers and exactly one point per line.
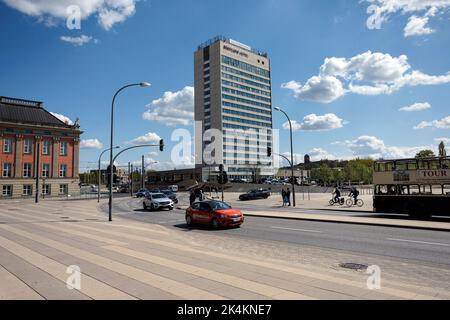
x=25, y=128
x=233, y=95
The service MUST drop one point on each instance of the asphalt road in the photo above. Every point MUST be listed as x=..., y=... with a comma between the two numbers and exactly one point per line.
x=426, y=246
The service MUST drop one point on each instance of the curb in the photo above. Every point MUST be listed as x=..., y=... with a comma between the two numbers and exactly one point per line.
x=352, y=222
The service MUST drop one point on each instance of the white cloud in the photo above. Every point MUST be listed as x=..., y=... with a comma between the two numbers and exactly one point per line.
x=173, y=108
x=419, y=106
x=381, y=10
x=445, y=140
x=317, y=154
x=365, y=74
x=148, y=138
x=321, y=89
x=313, y=122
x=63, y=118
x=77, y=41
x=438, y=124
x=91, y=144
x=370, y=146
x=108, y=12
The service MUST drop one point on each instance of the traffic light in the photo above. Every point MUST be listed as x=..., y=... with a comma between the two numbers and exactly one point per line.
x=222, y=178
x=161, y=145
x=269, y=151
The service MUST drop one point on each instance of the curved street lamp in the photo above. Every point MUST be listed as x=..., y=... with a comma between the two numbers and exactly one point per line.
x=292, y=156
x=99, y=162
x=140, y=84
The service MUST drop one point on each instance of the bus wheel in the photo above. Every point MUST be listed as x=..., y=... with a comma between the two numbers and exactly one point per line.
x=416, y=210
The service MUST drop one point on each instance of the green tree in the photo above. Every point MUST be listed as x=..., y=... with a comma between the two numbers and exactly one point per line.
x=442, y=151
x=427, y=153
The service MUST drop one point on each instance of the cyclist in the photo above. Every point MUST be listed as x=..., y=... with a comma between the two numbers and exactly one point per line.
x=355, y=193
x=337, y=194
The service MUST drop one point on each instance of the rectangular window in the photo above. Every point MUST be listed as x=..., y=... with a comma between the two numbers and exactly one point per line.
x=63, y=189
x=63, y=148
x=27, y=170
x=46, y=189
x=63, y=170
x=7, y=190
x=28, y=146
x=46, y=147
x=7, y=169
x=45, y=170
x=27, y=190
x=7, y=145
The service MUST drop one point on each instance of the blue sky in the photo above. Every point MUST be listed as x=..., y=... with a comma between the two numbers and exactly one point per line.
x=377, y=64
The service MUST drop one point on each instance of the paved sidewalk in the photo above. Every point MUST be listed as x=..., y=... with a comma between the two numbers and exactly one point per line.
x=125, y=259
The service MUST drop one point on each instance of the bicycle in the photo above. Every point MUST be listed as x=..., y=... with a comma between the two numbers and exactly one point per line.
x=351, y=202
x=341, y=201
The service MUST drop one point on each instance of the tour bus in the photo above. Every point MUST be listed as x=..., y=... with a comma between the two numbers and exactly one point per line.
x=417, y=187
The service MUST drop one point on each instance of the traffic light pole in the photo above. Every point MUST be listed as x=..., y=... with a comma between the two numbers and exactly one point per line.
x=161, y=148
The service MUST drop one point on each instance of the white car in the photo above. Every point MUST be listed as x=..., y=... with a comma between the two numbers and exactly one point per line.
x=157, y=201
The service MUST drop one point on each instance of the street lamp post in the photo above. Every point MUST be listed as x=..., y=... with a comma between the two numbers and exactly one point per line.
x=99, y=176
x=141, y=84
x=292, y=156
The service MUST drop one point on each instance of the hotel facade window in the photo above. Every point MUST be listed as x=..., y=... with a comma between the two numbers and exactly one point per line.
x=46, y=189
x=45, y=170
x=7, y=145
x=27, y=170
x=63, y=189
x=7, y=190
x=27, y=146
x=27, y=190
x=63, y=171
x=7, y=170
x=63, y=148
x=46, y=147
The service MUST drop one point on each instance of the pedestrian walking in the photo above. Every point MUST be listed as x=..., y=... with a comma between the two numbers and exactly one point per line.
x=288, y=196
x=192, y=198
x=283, y=196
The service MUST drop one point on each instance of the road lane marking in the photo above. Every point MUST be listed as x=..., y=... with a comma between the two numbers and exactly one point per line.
x=292, y=229
x=421, y=242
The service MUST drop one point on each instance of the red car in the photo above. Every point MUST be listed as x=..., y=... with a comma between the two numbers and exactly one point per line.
x=215, y=213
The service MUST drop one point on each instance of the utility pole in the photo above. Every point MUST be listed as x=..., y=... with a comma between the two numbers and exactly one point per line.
x=38, y=152
x=131, y=181
x=129, y=176
x=142, y=174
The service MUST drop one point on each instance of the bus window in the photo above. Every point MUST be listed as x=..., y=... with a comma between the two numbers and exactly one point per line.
x=412, y=165
x=392, y=189
x=390, y=166
x=445, y=163
x=425, y=189
x=423, y=164
x=446, y=189
x=414, y=189
x=402, y=189
x=381, y=189
x=434, y=164
x=436, y=189
x=400, y=165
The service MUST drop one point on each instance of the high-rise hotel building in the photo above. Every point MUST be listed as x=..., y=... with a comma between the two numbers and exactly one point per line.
x=233, y=95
